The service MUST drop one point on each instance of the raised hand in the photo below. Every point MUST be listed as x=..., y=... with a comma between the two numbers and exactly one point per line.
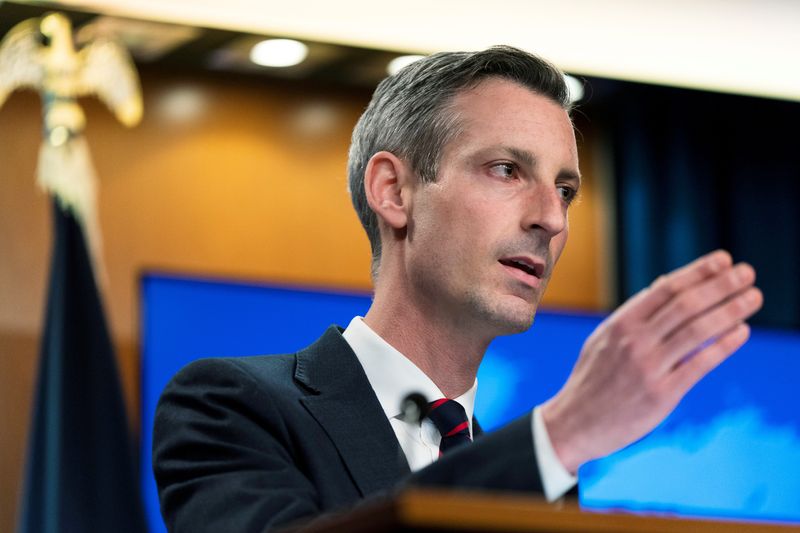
x=638, y=364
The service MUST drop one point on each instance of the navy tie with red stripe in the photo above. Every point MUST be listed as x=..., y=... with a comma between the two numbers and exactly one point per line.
x=450, y=419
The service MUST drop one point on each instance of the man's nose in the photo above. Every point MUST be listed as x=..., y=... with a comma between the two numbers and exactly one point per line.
x=545, y=210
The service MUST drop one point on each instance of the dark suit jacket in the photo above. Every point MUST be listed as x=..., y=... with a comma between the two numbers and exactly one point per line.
x=245, y=444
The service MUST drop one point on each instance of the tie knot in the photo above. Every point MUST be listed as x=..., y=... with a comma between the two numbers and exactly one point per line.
x=450, y=419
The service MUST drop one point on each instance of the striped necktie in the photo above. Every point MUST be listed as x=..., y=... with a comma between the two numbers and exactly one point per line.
x=451, y=420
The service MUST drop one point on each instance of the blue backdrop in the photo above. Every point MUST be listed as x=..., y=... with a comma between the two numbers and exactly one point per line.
x=731, y=448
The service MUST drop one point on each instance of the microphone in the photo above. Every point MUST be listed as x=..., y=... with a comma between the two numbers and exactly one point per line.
x=414, y=408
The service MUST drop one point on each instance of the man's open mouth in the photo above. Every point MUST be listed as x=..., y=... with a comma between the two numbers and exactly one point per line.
x=526, y=265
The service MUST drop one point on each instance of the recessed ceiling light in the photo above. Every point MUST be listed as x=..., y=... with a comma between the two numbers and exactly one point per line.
x=396, y=64
x=181, y=104
x=278, y=53
x=574, y=87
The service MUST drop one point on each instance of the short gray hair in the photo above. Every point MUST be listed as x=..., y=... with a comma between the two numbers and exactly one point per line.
x=410, y=114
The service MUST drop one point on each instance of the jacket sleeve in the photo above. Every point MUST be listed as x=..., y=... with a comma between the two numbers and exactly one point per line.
x=503, y=460
x=222, y=457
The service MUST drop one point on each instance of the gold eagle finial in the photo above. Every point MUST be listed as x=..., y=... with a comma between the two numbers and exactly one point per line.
x=40, y=54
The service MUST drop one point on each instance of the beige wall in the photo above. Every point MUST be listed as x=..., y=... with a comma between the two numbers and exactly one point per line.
x=225, y=176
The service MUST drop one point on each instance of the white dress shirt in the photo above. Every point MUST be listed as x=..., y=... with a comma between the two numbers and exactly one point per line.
x=393, y=377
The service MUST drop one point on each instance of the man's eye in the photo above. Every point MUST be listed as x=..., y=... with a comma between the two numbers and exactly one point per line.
x=504, y=170
x=567, y=193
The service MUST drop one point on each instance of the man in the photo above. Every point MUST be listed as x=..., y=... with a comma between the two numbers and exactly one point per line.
x=462, y=170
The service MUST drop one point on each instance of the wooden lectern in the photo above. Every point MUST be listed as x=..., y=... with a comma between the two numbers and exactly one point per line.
x=439, y=511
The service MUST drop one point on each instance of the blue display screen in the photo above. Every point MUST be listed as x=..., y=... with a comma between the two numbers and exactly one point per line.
x=730, y=449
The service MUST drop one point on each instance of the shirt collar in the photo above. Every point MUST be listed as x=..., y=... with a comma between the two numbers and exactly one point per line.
x=392, y=375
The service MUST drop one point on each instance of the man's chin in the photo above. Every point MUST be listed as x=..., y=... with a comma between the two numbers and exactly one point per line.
x=514, y=319
x=512, y=327
x=506, y=315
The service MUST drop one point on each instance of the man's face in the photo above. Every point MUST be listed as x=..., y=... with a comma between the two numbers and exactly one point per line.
x=483, y=238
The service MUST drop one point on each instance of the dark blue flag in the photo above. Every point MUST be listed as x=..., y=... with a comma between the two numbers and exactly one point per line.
x=80, y=474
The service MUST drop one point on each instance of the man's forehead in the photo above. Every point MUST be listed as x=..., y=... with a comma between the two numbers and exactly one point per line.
x=494, y=84
x=497, y=98
x=505, y=116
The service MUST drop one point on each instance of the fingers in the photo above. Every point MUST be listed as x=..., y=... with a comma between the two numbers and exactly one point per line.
x=721, y=319
x=639, y=363
x=685, y=309
x=667, y=287
x=691, y=302
x=693, y=369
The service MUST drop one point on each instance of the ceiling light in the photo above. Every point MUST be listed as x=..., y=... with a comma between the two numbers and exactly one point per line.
x=181, y=104
x=574, y=87
x=278, y=53
x=396, y=64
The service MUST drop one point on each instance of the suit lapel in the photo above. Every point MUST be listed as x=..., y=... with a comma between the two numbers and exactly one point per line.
x=346, y=407
x=477, y=430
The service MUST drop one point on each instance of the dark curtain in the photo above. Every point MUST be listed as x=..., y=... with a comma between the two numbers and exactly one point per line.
x=698, y=171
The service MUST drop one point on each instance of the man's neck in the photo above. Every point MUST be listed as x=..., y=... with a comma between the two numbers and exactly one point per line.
x=446, y=352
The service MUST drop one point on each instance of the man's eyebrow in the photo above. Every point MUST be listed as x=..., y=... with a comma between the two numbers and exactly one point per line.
x=523, y=156
x=528, y=159
x=571, y=176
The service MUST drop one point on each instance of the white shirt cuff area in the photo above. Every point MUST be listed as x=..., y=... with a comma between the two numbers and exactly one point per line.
x=556, y=480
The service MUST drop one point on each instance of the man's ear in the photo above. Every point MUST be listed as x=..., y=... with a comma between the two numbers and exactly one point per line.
x=385, y=178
